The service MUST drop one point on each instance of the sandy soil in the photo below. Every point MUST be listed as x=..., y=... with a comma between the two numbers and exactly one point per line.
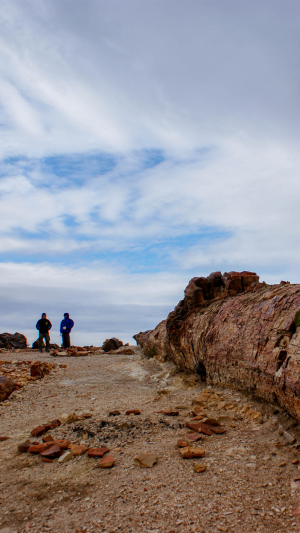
x=246, y=487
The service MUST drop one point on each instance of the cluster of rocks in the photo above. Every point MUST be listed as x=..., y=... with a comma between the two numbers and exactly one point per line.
x=122, y=431
x=13, y=341
x=218, y=285
x=16, y=374
x=76, y=351
x=63, y=449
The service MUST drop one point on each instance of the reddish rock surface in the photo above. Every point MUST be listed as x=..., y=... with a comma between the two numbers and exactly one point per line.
x=7, y=387
x=111, y=344
x=232, y=330
x=97, y=452
x=38, y=431
x=13, y=340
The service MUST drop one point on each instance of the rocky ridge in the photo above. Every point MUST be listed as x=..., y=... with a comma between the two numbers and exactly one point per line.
x=234, y=331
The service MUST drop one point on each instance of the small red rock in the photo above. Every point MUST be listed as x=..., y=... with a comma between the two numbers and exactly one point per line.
x=133, y=412
x=217, y=430
x=48, y=438
x=23, y=447
x=191, y=452
x=3, y=439
x=52, y=452
x=39, y=448
x=169, y=412
x=52, y=425
x=193, y=436
x=181, y=443
x=76, y=449
x=97, y=452
x=114, y=413
x=198, y=426
x=106, y=462
x=46, y=460
x=38, y=431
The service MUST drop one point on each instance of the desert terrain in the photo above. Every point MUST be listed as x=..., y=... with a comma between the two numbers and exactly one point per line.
x=250, y=478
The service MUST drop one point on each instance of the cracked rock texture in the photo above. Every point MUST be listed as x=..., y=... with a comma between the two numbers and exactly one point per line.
x=234, y=331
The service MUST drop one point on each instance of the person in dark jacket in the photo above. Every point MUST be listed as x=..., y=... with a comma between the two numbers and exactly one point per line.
x=44, y=325
x=65, y=329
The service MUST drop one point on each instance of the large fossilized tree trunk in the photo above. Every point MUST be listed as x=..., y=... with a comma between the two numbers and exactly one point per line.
x=247, y=340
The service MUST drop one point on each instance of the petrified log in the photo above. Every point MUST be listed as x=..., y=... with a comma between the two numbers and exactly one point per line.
x=111, y=344
x=7, y=387
x=234, y=331
x=13, y=340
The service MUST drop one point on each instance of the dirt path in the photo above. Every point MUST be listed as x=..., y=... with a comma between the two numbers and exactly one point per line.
x=246, y=487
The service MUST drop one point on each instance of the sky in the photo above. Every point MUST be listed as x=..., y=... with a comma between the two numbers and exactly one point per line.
x=142, y=143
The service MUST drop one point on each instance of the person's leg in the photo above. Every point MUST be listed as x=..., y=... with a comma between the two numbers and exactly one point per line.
x=41, y=336
x=47, y=342
x=65, y=340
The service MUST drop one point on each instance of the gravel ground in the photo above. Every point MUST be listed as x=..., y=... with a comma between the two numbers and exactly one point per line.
x=249, y=483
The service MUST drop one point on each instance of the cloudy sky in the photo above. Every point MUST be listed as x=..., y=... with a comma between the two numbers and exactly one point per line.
x=143, y=142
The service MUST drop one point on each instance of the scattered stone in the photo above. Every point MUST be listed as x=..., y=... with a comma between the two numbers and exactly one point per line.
x=3, y=438
x=7, y=387
x=198, y=410
x=48, y=438
x=51, y=452
x=193, y=436
x=290, y=439
x=191, y=452
x=54, y=424
x=133, y=412
x=39, y=448
x=62, y=443
x=181, y=443
x=65, y=457
x=169, y=412
x=296, y=512
x=114, y=413
x=199, y=467
x=97, y=452
x=198, y=426
x=78, y=449
x=68, y=418
x=38, y=431
x=23, y=447
x=146, y=460
x=126, y=351
x=210, y=422
x=295, y=461
x=106, y=462
x=282, y=464
x=46, y=460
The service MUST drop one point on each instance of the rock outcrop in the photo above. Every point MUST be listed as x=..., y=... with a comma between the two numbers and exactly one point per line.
x=111, y=344
x=234, y=331
x=13, y=340
x=7, y=387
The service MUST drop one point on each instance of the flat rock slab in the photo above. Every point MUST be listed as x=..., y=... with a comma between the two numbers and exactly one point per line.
x=146, y=460
x=97, y=452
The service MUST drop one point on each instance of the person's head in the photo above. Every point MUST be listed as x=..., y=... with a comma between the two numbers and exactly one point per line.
x=66, y=315
x=44, y=315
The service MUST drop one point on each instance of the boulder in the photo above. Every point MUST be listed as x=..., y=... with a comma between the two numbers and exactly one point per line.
x=7, y=387
x=111, y=344
x=12, y=340
x=231, y=330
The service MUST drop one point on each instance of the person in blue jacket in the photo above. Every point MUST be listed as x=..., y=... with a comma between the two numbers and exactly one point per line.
x=65, y=329
x=43, y=326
